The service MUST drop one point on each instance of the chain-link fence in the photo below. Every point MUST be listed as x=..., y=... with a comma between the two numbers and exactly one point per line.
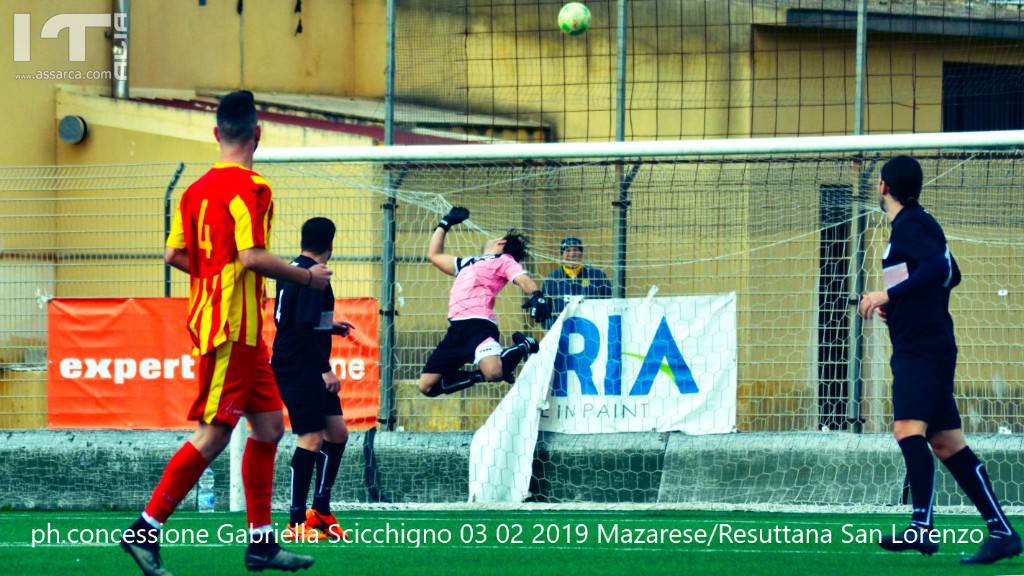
x=782, y=232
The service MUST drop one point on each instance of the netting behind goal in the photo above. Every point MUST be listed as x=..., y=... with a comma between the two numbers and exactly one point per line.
x=792, y=236
x=783, y=233
x=795, y=237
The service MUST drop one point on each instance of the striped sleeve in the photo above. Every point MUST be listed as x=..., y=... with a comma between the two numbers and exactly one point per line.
x=252, y=211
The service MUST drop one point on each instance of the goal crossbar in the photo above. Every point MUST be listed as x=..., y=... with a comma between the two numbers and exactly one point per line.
x=659, y=148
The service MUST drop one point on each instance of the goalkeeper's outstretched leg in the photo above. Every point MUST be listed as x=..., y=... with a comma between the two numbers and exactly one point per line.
x=472, y=324
x=513, y=355
x=490, y=369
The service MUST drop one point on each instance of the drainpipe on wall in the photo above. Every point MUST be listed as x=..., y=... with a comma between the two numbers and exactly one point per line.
x=119, y=37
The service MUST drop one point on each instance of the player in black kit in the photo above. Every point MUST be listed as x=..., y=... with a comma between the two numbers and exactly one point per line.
x=919, y=272
x=309, y=387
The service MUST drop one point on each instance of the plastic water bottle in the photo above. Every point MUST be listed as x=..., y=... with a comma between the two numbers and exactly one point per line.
x=206, y=499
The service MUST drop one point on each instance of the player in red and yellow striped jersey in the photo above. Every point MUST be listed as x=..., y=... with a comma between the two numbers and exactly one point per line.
x=220, y=236
x=228, y=210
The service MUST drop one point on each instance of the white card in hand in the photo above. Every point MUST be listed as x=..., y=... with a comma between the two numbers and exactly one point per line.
x=893, y=275
x=326, y=320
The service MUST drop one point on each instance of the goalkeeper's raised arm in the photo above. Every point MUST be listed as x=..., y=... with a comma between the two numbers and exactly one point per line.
x=445, y=262
x=473, y=335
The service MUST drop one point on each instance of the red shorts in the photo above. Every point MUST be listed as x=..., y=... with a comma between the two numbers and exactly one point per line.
x=234, y=379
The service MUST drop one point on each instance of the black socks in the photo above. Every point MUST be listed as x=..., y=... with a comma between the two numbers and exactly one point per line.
x=970, y=474
x=302, y=473
x=454, y=381
x=327, y=463
x=921, y=475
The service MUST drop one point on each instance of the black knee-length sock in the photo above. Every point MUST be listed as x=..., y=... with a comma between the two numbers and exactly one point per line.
x=327, y=464
x=302, y=473
x=512, y=356
x=970, y=474
x=921, y=475
x=454, y=381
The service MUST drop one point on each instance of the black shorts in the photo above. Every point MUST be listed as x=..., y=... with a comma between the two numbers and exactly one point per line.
x=307, y=399
x=922, y=389
x=467, y=341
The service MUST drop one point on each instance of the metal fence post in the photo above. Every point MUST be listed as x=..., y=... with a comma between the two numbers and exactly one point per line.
x=168, y=215
x=386, y=414
x=622, y=203
x=855, y=384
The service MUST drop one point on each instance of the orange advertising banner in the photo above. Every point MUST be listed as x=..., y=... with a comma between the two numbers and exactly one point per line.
x=127, y=362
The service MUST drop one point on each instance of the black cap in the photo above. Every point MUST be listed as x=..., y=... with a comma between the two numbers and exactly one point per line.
x=571, y=242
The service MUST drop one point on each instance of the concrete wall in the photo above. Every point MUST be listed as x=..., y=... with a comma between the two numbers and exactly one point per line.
x=100, y=470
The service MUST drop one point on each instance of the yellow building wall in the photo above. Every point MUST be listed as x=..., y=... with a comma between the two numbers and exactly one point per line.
x=27, y=213
x=696, y=70
x=369, y=24
x=112, y=231
x=184, y=46
x=743, y=77
x=803, y=80
x=29, y=132
x=689, y=76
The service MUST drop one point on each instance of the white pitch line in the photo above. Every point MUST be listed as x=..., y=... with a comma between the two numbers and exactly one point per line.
x=526, y=547
x=528, y=520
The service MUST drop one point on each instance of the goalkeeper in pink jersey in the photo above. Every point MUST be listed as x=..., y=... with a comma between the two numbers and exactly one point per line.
x=472, y=325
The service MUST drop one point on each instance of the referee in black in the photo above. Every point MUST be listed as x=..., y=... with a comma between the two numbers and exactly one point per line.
x=919, y=273
x=309, y=386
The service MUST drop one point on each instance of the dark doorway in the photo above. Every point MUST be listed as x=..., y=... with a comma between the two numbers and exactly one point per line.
x=833, y=305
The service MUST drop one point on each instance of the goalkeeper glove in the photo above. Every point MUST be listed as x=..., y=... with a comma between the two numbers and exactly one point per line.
x=539, y=306
x=454, y=216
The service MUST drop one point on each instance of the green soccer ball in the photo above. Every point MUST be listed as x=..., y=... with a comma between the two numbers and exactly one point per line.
x=574, y=18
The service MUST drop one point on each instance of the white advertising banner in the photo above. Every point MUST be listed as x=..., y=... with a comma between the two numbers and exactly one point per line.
x=621, y=365
x=641, y=364
x=501, y=453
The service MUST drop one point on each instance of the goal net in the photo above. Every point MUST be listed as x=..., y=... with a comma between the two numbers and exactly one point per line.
x=744, y=379
x=789, y=227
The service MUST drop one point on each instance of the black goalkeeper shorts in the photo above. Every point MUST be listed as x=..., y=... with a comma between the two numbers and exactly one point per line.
x=922, y=389
x=467, y=341
x=307, y=399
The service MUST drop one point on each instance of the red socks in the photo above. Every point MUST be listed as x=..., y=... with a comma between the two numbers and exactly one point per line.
x=258, y=479
x=187, y=464
x=180, y=475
